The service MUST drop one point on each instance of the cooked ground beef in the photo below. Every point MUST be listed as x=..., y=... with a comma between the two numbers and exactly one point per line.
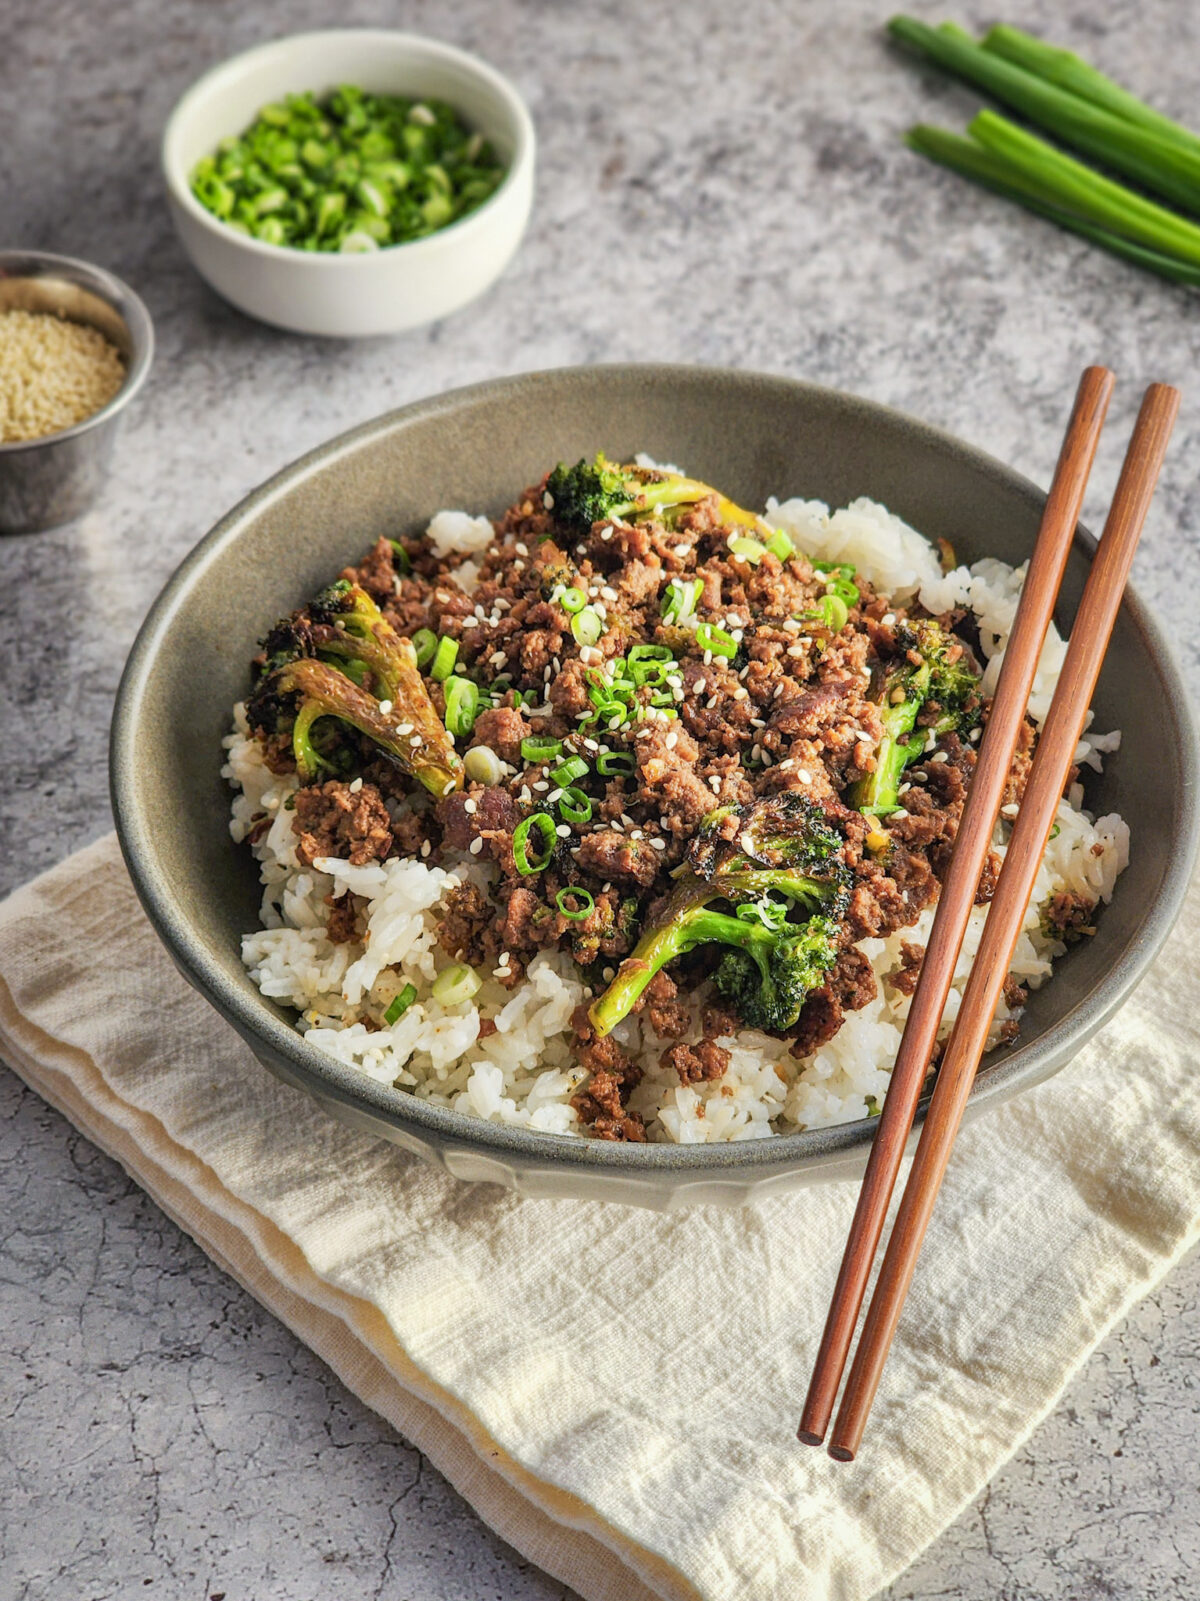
x=783, y=706
x=333, y=819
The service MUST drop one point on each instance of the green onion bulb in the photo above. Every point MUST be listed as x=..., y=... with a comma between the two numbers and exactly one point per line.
x=456, y=984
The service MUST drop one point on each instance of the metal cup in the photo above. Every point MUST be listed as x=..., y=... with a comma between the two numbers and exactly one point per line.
x=48, y=481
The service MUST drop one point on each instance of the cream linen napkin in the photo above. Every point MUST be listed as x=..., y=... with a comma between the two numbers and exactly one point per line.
x=614, y=1391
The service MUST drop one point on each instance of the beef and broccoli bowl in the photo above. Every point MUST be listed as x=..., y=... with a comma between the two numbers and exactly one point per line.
x=624, y=815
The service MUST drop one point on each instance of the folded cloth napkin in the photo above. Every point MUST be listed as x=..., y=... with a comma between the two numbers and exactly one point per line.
x=616, y=1392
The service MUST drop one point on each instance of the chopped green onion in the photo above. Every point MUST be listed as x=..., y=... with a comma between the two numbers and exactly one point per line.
x=349, y=172
x=537, y=749
x=648, y=653
x=780, y=545
x=567, y=772
x=843, y=569
x=401, y=560
x=751, y=550
x=834, y=613
x=844, y=590
x=610, y=762
x=462, y=704
x=710, y=637
x=574, y=806
x=587, y=626
x=572, y=600
x=444, y=659
x=424, y=642
x=483, y=765
x=679, y=602
x=544, y=824
x=653, y=672
x=586, y=899
x=456, y=984
x=400, y=1004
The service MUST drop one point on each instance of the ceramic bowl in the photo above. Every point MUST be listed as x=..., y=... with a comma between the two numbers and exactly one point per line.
x=384, y=291
x=475, y=449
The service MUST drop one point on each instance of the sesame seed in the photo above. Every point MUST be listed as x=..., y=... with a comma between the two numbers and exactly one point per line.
x=480, y=613
x=555, y=794
x=795, y=651
x=777, y=691
x=672, y=740
x=606, y=533
x=475, y=846
x=658, y=844
x=904, y=789
x=355, y=786
x=636, y=833
x=547, y=673
x=498, y=658
x=974, y=735
x=504, y=959
x=712, y=701
x=610, y=973
x=425, y=848
x=518, y=567
x=682, y=551
x=470, y=805
x=526, y=794
x=1010, y=810
x=521, y=548
x=715, y=782
x=562, y=830
x=900, y=812
x=942, y=756
x=803, y=774
x=888, y=619
x=698, y=686
x=708, y=656
x=757, y=722
x=385, y=707
x=470, y=622
x=608, y=592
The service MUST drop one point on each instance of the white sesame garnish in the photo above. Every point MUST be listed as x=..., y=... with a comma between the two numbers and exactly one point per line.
x=712, y=701
x=942, y=756
x=608, y=592
x=475, y=846
x=518, y=567
x=900, y=811
x=498, y=658
x=715, y=782
x=540, y=784
x=658, y=844
x=682, y=551
x=803, y=774
x=521, y=548
x=548, y=500
x=672, y=740
x=888, y=619
x=425, y=848
x=698, y=686
x=470, y=622
x=385, y=707
x=562, y=830
x=606, y=533
x=1010, y=810
x=795, y=651
x=974, y=735
x=470, y=805
x=355, y=786
x=904, y=789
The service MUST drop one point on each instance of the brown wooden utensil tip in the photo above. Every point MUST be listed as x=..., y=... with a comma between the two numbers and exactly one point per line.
x=957, y=897
x=1052, y=762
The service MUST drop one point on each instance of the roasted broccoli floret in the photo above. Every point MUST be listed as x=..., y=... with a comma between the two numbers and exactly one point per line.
x=783, y=830
x=769, y=978
x=591, y=491
x=934, y=671
x=732, y=898
x=299, y=684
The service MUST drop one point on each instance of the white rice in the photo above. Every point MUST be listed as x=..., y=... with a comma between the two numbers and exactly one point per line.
x=524, y=1073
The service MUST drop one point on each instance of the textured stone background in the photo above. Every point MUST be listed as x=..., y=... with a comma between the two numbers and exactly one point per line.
x=719, y=184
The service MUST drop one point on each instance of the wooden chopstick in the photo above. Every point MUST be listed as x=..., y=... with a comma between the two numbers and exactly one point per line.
x=1048, y=775
x=957, y=897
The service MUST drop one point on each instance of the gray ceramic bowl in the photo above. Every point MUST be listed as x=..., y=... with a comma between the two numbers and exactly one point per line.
x=475, y=449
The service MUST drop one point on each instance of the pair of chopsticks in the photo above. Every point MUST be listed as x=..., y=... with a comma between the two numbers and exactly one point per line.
x=1052, y=762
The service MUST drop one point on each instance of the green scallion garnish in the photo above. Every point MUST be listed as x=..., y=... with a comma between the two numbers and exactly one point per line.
x=711, y=638
x=572, y=600
x=444, y=658
x=567, y=772
x=424, y=642
x=544, y=824
x=587, y=626
x=574, y=806
x=609, y=763
x=462, y=704
x=585, y=902
x=536, y=749
x=400, y=1004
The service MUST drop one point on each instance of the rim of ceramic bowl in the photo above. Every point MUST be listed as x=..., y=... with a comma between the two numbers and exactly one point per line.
x=117, y=294
x=328, y=1078
x=175, y=176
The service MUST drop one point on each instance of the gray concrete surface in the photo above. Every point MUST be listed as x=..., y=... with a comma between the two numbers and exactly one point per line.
x=718, y=184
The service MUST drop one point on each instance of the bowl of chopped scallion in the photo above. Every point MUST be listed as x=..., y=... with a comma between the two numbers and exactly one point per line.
x=351, y=182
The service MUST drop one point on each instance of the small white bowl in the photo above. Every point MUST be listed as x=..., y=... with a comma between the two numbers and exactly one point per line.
x=380, y=292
